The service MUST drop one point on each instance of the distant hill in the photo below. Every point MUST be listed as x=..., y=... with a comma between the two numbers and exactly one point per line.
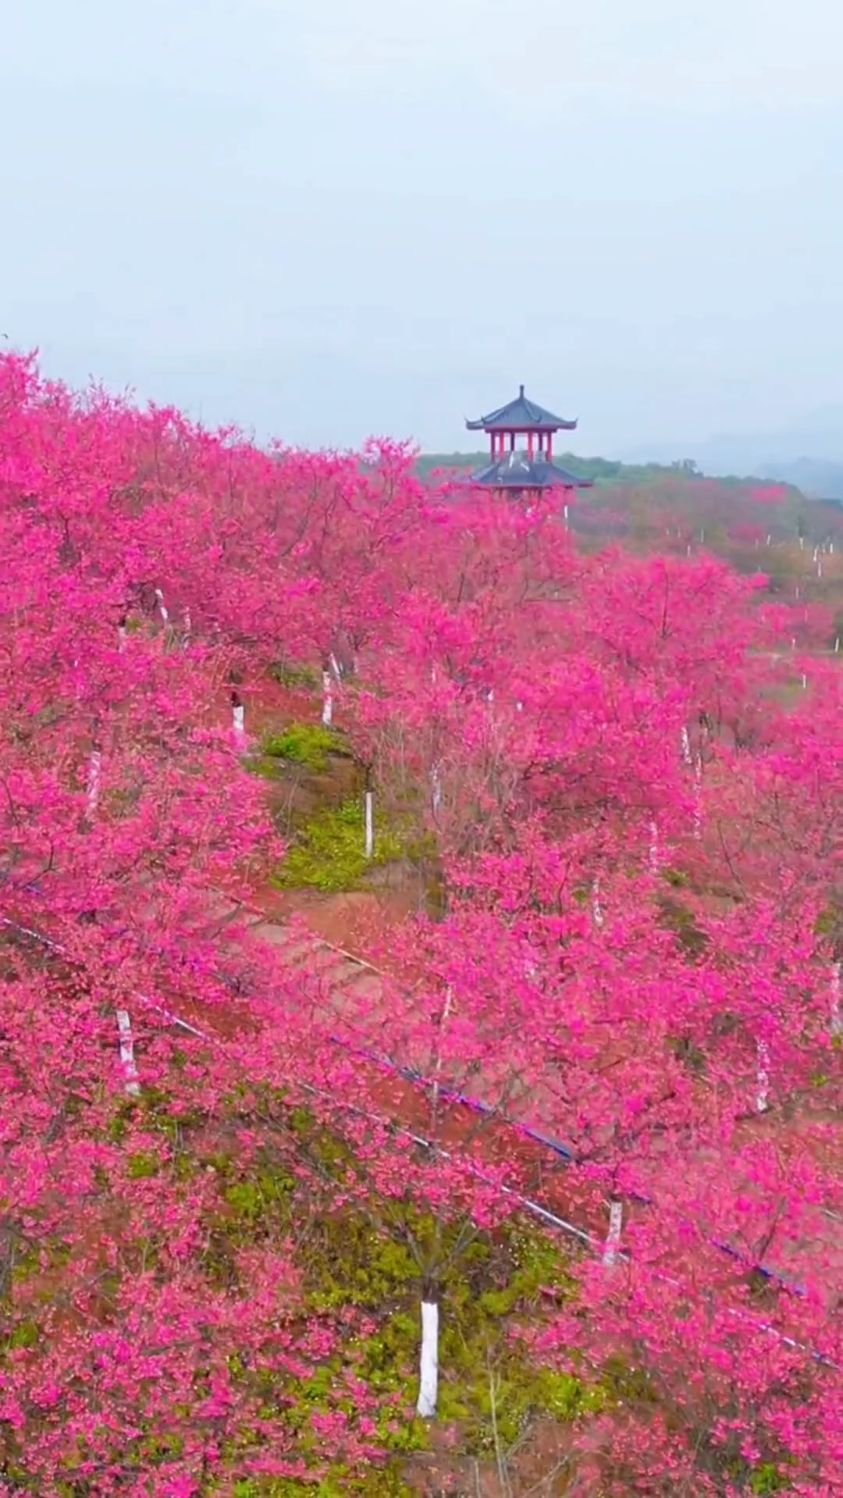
x=613, y=471
x=817, y=478
x=599, y=470
x=808, y=456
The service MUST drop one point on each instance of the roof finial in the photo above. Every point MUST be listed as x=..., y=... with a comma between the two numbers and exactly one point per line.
x=521, y=392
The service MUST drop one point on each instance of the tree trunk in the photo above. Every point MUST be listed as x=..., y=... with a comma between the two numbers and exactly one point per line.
x=435, y=789
x=836, y=1016
x=327, y=700
x=94, y=780
x=369, y=801
x=238, y=718
x=654, y=848
x=762, y=1077
x=127, y=1053
x=698, y=814
x=429, y=1360
x=596, y=907
x=613, y=1237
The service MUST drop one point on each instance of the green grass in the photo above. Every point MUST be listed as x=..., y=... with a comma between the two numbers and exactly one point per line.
x=351, y=1265
x=329, y=851
x=360, y=1275
x=306, y=744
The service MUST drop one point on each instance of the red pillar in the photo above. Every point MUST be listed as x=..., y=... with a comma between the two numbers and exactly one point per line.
x=550, y=447
x=530, y=440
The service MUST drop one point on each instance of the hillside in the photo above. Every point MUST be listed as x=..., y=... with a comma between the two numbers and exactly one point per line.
x=814, y=478
x=674, y=506
x=421, y=930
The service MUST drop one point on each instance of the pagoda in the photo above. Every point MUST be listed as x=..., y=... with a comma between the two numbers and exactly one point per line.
x=528, y=469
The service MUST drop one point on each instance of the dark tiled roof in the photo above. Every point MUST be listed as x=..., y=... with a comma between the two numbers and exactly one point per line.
x=519, y=416
x=517, y=470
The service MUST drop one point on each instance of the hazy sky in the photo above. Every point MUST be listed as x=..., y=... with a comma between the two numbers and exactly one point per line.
x=329, y=218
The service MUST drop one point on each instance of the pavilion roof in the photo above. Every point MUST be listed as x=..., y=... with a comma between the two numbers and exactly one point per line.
x=517, y=470
x=521, y=415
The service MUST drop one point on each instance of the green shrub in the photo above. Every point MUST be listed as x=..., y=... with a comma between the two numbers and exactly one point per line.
x=307, y=744
x=25, y=1334
x=289, y=675
x=142, y=1165
x=767, y=1479
x=679, y=918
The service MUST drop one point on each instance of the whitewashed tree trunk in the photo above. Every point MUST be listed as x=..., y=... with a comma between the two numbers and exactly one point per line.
x=436, y=789
x=686, y=747
x=122, y=637
x=762, y=1077
x=162, y=607
x=654, y=854
x=127, y=1053
x=804, y=681
x=836, y=1014
x=238, y=722
x=613, y=1236
x=836, y=644
x=429, y=1361
x=335, y=667
x=369, y=804
x=437, y=1069
x=327, y=699
x=94, y=780
x=596, y=907
x=698, y=801
x=565, y=513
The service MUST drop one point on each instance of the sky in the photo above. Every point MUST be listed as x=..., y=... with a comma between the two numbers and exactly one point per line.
x=329, y=219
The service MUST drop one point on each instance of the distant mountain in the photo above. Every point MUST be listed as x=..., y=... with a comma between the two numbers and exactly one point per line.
x=816, y=477
x=809, y=456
